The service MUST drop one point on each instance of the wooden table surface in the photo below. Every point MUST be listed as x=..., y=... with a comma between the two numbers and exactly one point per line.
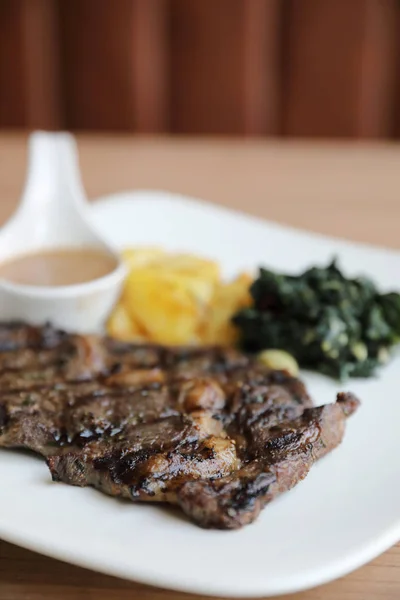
x=348, y=190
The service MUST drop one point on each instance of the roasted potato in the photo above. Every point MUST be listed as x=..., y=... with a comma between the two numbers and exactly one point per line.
x=228, y=298
x=165, y=304
x=176, y=299
x=121, y=326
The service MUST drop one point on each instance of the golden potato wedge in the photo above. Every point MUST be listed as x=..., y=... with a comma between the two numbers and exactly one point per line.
x=165, y=304
x=228, y=298
x=176, y=299
x=121, y=325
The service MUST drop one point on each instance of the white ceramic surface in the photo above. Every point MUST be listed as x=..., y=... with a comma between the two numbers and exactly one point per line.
x=53, y=213
x=343, y=514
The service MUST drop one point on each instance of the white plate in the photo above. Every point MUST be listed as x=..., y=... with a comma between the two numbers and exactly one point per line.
x=345, y=512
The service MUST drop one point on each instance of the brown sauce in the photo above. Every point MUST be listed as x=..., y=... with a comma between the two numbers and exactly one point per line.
x=61, y=266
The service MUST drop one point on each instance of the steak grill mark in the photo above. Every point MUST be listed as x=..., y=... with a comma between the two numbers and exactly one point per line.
x=208, y=429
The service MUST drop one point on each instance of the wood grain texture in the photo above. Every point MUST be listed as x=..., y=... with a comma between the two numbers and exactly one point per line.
x=98, y=81
x=397, y=84
x=115, y=64
x=12, y=89
x=238, y=67
x=262, y=28
x=340, y=67
x=150, y=65
x=225, y=66
x=29, y=64
x=349, y=190
x=379, y=69
x=42, y=60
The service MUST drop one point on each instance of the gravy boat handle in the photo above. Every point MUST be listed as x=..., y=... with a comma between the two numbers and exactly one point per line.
x=53, y=174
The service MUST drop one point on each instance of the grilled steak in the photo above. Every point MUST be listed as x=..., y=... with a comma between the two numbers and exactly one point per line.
x=282, y=459
x=208, y=429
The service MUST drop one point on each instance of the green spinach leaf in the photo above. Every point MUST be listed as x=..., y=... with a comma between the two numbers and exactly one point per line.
x=339, y=326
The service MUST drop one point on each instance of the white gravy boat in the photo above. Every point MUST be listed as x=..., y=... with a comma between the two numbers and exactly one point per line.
x=53, y=213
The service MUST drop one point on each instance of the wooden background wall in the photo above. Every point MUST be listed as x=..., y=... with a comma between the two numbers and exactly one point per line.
x=243, y=67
